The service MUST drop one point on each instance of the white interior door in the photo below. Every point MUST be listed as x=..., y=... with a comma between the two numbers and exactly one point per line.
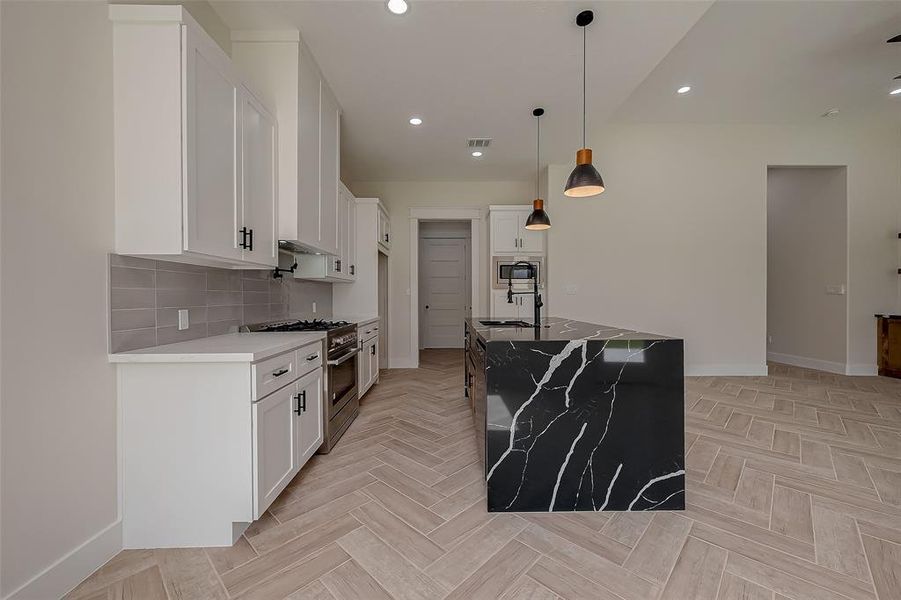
x=444, y=293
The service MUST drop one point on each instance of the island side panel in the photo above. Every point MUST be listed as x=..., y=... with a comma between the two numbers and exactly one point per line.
x=585, y=425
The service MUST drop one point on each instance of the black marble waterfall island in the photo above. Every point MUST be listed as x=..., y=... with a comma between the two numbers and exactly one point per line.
x=577, y=417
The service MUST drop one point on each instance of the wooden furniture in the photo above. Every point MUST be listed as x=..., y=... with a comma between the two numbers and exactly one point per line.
x=888, y=349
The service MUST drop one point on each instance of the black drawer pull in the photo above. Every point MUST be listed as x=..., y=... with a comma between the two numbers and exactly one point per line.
x=312, y=357
x=280, y=372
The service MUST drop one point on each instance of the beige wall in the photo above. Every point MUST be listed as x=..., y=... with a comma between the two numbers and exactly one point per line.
x=58, y=397
x=399, y=197
x=677, y=243
x=807, y=251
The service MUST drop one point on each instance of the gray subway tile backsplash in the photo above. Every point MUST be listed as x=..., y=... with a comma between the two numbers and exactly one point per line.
x=145, y=296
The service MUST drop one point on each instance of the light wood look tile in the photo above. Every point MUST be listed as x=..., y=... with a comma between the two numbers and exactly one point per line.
x=793, y=493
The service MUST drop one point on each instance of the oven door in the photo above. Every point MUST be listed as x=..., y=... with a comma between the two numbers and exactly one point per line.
x=342, y=379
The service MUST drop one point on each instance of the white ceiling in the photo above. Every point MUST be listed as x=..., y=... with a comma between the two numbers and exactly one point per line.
x=476, y=69
x=778, y=62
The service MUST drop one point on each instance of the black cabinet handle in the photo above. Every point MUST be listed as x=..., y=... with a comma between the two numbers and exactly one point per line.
x=279, y=373
x=243, y=232
x=250, y=235
x=338, y=265
x=372, y=350
x=303, y=401
x=353, y=269
x=297, y=410
x=312, y=357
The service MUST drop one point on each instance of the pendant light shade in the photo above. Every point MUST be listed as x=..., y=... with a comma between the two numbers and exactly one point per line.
x=538, y=219
x=584, y=180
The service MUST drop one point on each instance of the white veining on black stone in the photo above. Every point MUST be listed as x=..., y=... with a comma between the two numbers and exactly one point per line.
x=582, y=417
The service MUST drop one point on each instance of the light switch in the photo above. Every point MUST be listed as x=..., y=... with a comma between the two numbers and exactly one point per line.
x=314, y=307
x=182, y=318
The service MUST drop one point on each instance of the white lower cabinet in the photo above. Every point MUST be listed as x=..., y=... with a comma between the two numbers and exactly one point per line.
x=522, y=307
x=368, y=374
x=308, y=409
x=209, y=443
x=276, y=434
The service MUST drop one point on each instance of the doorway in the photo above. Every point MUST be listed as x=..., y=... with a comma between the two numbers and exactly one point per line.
x=445, y=282
x=807, y=267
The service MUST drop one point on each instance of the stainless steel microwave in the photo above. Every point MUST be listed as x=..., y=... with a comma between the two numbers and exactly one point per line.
x=505, y=269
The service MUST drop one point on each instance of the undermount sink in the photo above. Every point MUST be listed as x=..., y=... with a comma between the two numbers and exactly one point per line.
x=505, y=323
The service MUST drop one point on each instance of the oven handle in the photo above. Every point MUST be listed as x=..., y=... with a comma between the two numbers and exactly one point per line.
x=344, y=358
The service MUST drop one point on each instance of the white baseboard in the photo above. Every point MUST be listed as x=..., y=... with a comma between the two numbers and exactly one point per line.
x=59, y=578
x=808, y=363
x=862, y=369
x=726, y=369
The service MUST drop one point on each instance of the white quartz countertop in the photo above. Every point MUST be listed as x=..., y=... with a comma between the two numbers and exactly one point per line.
x=231, y=347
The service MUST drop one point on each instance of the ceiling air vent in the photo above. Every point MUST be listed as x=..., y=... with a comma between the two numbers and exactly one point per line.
x=478, y=142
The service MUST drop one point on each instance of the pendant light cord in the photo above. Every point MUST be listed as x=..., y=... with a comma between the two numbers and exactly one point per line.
x=584, y=71
x=538, y=161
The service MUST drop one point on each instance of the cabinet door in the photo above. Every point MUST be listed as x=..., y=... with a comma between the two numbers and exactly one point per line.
x=351, y=254
x=500, y=309
x=530, y=242
x=211, y=143
x=336, y=263
x=309, y=403
x=308, y=152
x=374, y=360
x=384, y=230
x=274, y=446
x=504, y=232
x=328, y=171
x=258, y=168
x=364, y=368
x=526, y=308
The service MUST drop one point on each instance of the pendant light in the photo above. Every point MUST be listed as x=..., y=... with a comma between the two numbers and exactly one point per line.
x=584, y=180
x=538, y=220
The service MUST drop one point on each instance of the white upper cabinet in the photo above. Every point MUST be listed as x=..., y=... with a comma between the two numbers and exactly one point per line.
x=350, y=254
x=308, y=135
x=384, y=229
x=508, y=232
x=504, y=232
x=186, y=177
x=329, y=117
x=259, y=182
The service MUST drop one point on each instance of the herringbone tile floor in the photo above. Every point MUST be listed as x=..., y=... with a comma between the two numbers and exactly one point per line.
x=794, y=492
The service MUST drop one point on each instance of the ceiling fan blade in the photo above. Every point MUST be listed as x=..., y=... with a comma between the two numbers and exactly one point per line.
x=893, y=40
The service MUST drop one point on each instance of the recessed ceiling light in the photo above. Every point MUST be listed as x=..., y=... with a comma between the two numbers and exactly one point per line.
x=895, y=91
x=398, y=7
x=477, y=153
x=415, y=121
x=684, y=89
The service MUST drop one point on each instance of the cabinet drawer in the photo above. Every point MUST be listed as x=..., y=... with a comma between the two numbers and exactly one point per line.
x=272, y=373
x=367, y=332
x=309, y=358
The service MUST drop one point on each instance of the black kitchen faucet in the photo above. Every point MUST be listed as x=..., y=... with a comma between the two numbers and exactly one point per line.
x=533, y=275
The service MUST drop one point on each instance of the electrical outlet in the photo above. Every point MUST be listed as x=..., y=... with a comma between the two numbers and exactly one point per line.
x=183, y=319
x=314, y=307
x=769, y=339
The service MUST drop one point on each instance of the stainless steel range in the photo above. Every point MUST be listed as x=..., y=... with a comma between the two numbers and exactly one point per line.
x=340, y=372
